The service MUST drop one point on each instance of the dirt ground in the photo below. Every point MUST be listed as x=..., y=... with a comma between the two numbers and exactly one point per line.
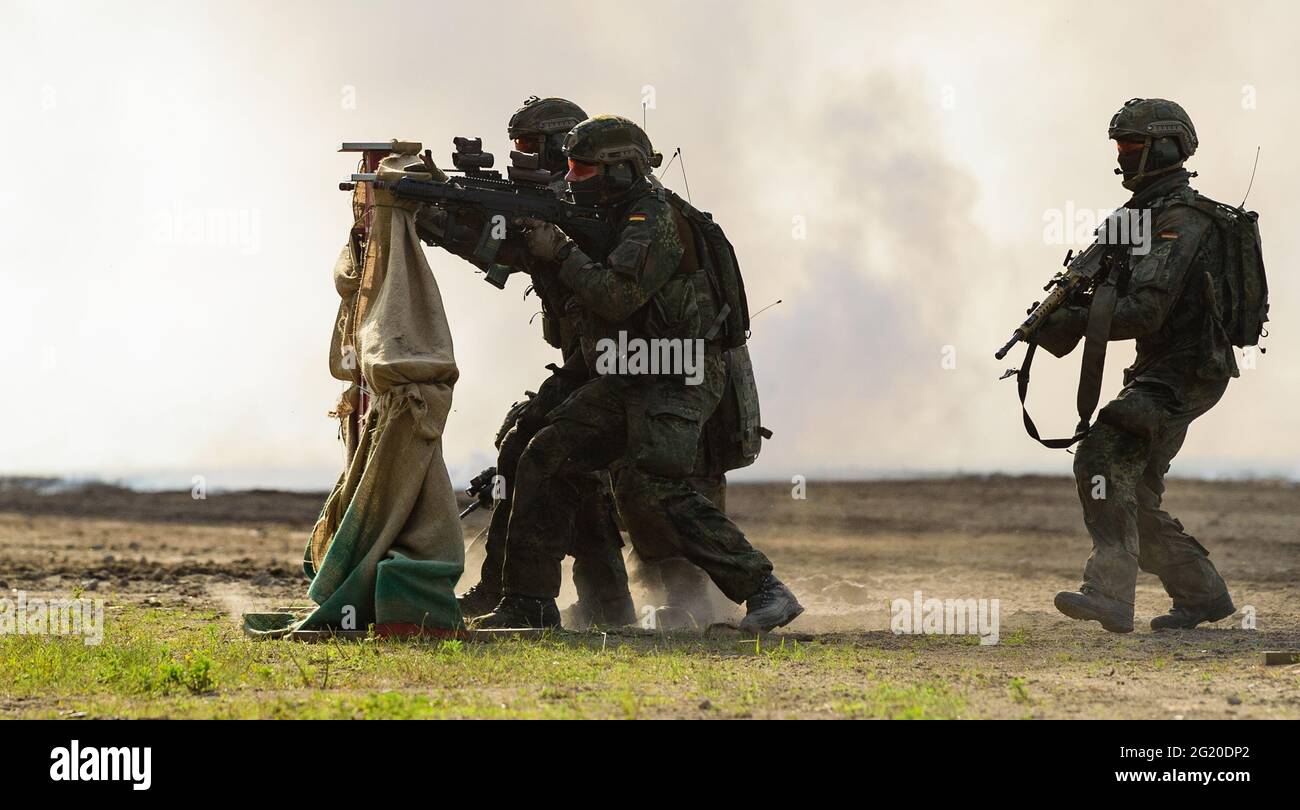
x=848, y=549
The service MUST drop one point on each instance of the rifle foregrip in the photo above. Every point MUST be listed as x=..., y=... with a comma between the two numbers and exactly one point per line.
x=1040, y=313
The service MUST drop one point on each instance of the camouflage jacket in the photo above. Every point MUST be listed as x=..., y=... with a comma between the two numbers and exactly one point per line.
x=649, y=285
x=1163, y=303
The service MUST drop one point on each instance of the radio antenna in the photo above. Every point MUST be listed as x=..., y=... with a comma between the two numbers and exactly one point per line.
x=664, y=171
x=1252, y=178
x=684, y=180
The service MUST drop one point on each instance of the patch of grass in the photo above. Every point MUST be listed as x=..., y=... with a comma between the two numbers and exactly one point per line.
x=164, y=662
x=1017, y=639
x=194, y=674
x=1019, y=692
x=924, y=701
x=179, y=663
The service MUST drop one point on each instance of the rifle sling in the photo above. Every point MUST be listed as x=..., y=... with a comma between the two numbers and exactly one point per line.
x=1096, y=337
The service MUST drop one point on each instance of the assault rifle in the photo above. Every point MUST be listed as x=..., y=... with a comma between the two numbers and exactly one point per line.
x=1086, y=279
x=501, y=200
x=1080, y=278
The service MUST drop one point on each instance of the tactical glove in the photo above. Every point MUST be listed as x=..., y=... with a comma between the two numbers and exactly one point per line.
x=1063, y=329
x=431, y=224
x=544, y=240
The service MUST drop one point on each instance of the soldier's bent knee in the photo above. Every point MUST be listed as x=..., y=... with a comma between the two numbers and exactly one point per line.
x=1095, y=454
x=512, y=447
x=1086, y=464
x=547, y=450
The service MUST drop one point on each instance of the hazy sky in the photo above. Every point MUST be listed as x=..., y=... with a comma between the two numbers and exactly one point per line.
x=171, y=218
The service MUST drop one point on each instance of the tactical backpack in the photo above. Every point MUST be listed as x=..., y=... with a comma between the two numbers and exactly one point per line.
x=734, y=434
x=1243, y=288
x=718, y=260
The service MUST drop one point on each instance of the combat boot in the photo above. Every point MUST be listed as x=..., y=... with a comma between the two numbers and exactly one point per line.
x=1089, y=605
x=613, y=612
x=772, y=607
x=587, y=613
x=1184, y=617
x=687, y=590
x=515, y=612
x=478, y=601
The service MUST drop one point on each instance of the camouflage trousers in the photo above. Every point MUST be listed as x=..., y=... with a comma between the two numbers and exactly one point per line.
x=665, y=569
x=593, y=539
x=648, y=429
x=1120, y=468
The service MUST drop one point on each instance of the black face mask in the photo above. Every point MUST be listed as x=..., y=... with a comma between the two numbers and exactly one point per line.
x=1162, y=156
x=1128, y=163
x=607, y=188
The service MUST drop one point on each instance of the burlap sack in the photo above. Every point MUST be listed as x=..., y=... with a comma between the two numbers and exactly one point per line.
x=387, y=548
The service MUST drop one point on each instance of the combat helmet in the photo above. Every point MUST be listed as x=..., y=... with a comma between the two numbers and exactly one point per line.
x=610, y=140
x=547, y=120
x=609, y=159
x=1166, y=132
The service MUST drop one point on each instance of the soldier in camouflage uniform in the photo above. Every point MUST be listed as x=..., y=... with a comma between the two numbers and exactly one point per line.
x=668, y=573
x=1183, y=365
x=647, y=426
x=539, y=127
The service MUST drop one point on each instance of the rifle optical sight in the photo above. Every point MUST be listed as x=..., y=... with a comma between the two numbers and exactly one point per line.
x=469, y=155
x=526, y=167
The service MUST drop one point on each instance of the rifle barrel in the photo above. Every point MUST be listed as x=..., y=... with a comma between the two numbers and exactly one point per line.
x=1001, y=353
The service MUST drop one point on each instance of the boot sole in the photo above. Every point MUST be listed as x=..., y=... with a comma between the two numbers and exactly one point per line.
x=513, y=628
x=798, y=611
x=476, y=624
x=1084, y=615
x=1217, y=616
x=474, y=610
x=1222, y=614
